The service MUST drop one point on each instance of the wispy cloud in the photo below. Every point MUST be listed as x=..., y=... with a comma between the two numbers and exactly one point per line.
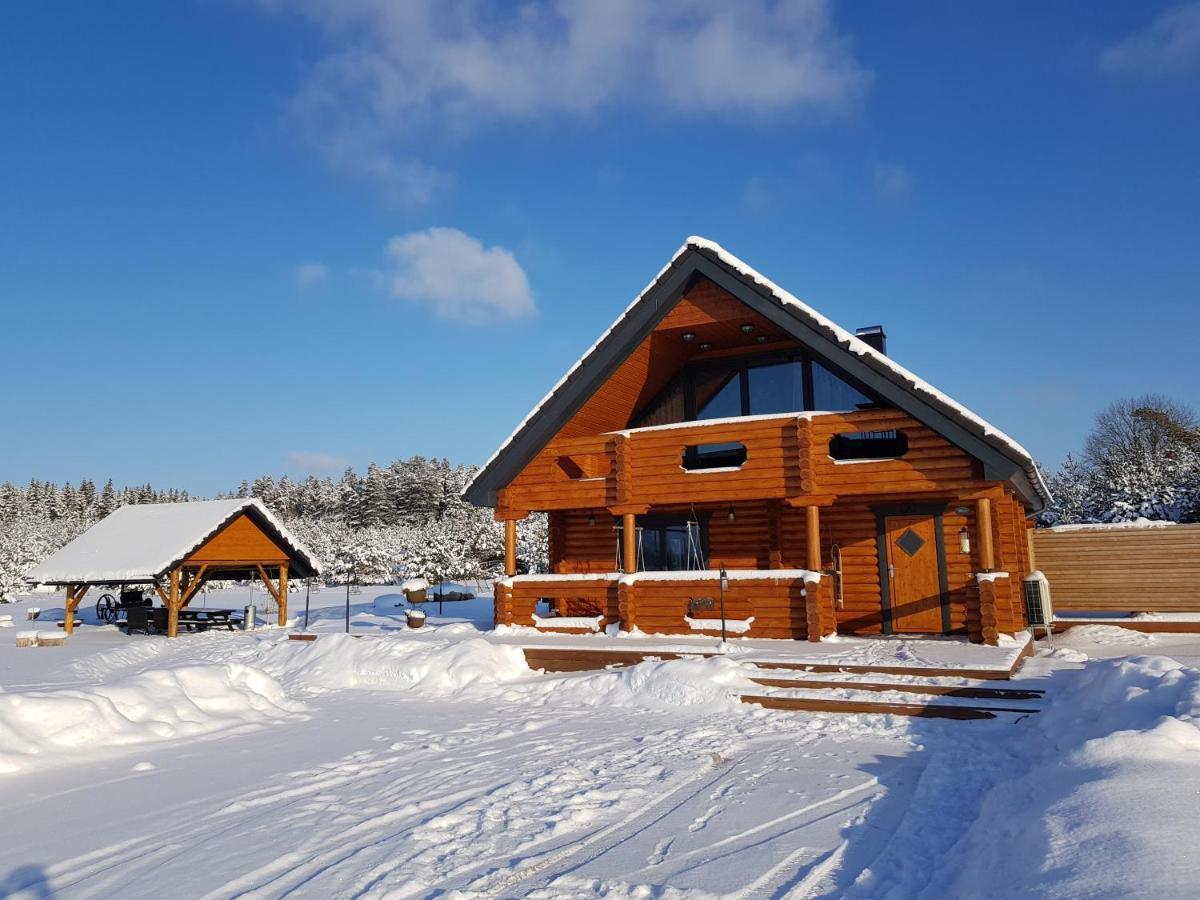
x=892, y=182
x=457, y=277
x=809, y=176
x=311, y=274
x=397, y=74
x=313, y=463
x=1168, y=46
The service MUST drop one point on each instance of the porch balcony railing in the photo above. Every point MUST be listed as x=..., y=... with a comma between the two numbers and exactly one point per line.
x=769, y=603
x=771, y=457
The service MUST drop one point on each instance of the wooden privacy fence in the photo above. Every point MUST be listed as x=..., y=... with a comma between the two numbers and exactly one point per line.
x=1107, y=569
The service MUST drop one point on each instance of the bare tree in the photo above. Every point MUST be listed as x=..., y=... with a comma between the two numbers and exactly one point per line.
x=1140, y=427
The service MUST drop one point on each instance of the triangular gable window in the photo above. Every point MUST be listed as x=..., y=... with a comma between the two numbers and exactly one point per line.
x=753, y=386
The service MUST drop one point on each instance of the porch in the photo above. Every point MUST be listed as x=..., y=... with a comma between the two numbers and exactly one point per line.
x=757, y=603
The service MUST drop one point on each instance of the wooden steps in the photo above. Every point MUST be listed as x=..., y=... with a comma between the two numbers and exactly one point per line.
x=934, y=690
x=923, y=671
x=920, y=698
x=917, y=710
x=574, y=659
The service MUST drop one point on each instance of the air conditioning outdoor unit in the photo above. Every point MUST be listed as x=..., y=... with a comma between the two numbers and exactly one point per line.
x=1038, y=609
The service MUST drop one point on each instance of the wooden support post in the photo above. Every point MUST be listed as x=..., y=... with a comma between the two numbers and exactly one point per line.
x=69, y=610
x=983, y=521
x=629, y=543
x=510, y=547
x=283, y=594
x=813, y=540
x=174, y=600
x=75, y=594
x=194, y=583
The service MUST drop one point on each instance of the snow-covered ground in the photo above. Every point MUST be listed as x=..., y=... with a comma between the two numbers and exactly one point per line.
x=424, y=763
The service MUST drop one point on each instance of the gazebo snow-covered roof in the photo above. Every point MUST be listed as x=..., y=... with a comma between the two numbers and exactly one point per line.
x=182, y=545
x=140, y=543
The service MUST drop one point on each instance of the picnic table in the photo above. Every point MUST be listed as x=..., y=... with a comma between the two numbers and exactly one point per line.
x=154, y=619
x=206, y=618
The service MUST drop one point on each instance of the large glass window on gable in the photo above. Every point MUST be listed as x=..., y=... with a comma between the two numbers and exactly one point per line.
x=752, y=386
x=775, y=388
x=726, y=402
x=832, y=394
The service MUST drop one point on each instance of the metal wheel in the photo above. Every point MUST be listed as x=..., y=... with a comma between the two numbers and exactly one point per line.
x=106, y=608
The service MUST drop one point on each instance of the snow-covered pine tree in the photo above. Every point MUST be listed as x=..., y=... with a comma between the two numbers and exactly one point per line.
x=107, y=501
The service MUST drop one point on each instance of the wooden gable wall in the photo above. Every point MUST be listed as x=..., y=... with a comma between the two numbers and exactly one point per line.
x=241, y=540
x=714, y=315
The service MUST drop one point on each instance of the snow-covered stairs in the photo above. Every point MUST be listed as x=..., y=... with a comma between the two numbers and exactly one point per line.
x=881, y=694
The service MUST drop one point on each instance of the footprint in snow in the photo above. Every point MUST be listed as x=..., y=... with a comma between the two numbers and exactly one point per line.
x=661, y=849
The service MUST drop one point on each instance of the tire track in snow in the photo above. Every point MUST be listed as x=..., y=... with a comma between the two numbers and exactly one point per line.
x=596, y=844
x=369, y=829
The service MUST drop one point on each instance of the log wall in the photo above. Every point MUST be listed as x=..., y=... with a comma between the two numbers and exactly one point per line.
x=1121, y=570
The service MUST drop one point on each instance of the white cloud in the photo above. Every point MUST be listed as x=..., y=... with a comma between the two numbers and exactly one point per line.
x=1170, y=45
x=311, y=274
x=892, y=182
x=400, y=74
x=457, y=277
x=312, y=463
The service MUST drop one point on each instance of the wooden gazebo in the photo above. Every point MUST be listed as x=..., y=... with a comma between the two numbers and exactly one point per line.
x=176, y=548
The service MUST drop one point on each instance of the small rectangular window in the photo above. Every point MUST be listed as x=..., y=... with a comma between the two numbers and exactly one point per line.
x=728, y=455
x=868, y=445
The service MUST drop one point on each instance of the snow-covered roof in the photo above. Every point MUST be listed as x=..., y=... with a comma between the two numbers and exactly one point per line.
x=140, y=542
x=877, y=361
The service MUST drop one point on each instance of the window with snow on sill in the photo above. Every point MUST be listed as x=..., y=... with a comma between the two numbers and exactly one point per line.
x=728, y=457
x=868, y=446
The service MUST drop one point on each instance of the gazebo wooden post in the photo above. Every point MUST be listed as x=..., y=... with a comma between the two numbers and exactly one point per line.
x=75, y=594
x=283, y=594
x=174, y=601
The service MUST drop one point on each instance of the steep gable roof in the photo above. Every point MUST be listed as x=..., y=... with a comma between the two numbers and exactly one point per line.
x=1002, y=457
x=140, y=542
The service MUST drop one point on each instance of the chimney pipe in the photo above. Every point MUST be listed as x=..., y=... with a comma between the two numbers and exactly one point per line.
x=874, y=336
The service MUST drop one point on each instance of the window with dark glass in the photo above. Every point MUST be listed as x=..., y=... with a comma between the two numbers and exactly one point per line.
x=753, y=387
x=832, y=394
x=669, y=544
x=726, y=455
x=776, y=388
x=726, y=402
x=868, y=445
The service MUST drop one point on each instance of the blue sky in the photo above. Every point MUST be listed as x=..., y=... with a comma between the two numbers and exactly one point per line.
x=285, y=236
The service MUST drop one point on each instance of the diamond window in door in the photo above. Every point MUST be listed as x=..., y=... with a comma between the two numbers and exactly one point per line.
x=910, y=542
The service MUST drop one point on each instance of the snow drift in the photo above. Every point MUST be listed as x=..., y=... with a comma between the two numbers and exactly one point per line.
x=1114, y=757
x=152, y=706
x=446, y=662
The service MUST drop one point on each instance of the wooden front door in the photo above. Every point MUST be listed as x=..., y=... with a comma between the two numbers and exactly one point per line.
x=914, y=578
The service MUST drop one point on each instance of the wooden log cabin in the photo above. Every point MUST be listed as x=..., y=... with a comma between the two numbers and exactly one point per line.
x=721, y=423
